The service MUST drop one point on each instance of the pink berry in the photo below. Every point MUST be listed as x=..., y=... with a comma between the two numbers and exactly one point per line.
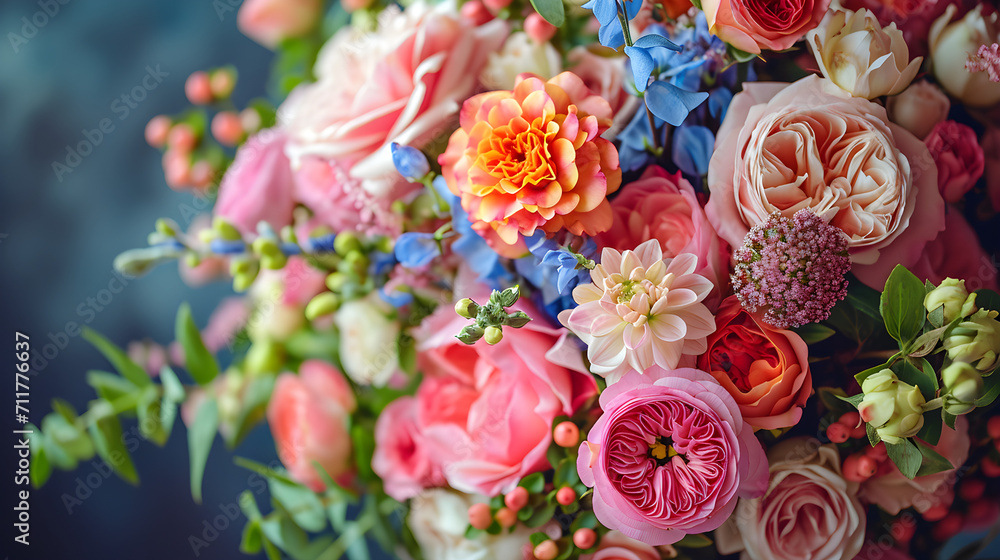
x=935, y=513
x=838, y=433
x=222, y=83
x=506, y=517
x=517, y=498
x=971, y=489
x=584, y=538
x=566, y=434
x=867, y=467
x=989, y=467
x=227, y=128
x=182, y=137
x=202, y=174
x=993, y=427
x=480, y=516
x=476, y=12
x=566, y=496
x=198, y=88
x=903, y=529
x=496, y=5
x=947, y=527
x=861, y=432
x=157, y=130
x=250, y=119
x=538, y=29
x=177, y=169
x=546, y=550
x=879, y=452
x=853, y=469
x=850, y=419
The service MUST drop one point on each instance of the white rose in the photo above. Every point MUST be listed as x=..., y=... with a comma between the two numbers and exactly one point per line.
x=368, y=341
x=520, y=54
x=439, y=518
x=951, y=45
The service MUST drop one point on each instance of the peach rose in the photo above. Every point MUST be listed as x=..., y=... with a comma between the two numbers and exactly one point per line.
x=784, y=147
x=309, y=416
x=271, y=21
x=751, y=26
x=765, y=369
x=401, y=83
x=919, y=108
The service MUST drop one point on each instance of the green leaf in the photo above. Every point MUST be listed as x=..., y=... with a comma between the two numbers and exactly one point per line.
x=109, y=386
x=151, y=416
x=302, y=504
x=902, y=305
x=909, y=373
x=949, y=418
x=106, y=432
x=197, y=359
x=936, y=317
x=252, y=540
x=263, y=470
x=200, y=437
x=739, y=55
x=118, y=358
x=850, y=322
x=694, y=541
x=860, y=377
x=68, y=438
x=538, y=538
x=541, y=516
x=566, y=474
x=991, y=390
x=812, y=333
x=906, y=456
x=172, y=388
x=552, y=10
x=932, y=461
x=931, y=430
x=253, y=407
x=586, y=520
x=873, y=437
x=363, y=438
x=854, y=400
x=285, y=534
x=533, y=483
x=988, y=299
x=40, y=469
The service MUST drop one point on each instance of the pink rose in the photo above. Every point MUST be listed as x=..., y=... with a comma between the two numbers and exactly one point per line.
x=809, y=510
x=959, y=158
x=752, y=26
x=919, y=108
x=665, y=207
x=309, y=415
x=956, y=253
x=271, y=21
x=401, y=457
x=616, y=546
x=486, y=411
x=258, y=185
x=301, y=282
x=893, y=492
x=401, y=83
x=991, y=148
x=670, y=456
x=784, y=147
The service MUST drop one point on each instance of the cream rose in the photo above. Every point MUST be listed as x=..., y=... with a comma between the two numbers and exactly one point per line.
x=952, y=43
x=439, y=518
x=860, y=56
x=784, y=147
x=520, y=54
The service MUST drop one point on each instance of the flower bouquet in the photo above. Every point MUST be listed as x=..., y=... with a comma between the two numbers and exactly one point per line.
x=630, y=279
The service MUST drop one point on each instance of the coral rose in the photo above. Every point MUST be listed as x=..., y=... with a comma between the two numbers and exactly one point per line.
x=784, y=147
x=669, y=456
x=665, y=207
x=533, y=158
x=309, y=416
x=751, y=26
x=765, y=369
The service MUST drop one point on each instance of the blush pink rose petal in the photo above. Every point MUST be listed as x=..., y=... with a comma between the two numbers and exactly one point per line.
x=258, y=185
x=783, y=147
x=669, y=456
x=270, y=21
x=401, y=457
x=957, y=253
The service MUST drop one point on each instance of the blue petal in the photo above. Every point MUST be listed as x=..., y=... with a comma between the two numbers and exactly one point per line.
x=653, y=40
x=396, y=298
x=416, y=249
x=692, y=149
x=632, y=8
x=671, y=103
x=611, y=35
x=718, y=102
x=410, y=162
x=642, y=66
x=321, y=244
x=226, y=247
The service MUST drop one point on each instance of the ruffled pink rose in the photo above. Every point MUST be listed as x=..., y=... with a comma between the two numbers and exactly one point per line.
x=271, y=21
x=309, y=415
x=665, y=207
x=784, y=147
x=893, y=492
x=486, y=411
x=401, y=457
x=959, y=158
x=956, y=253
x=670, y=456
x=258, y=185
x=809, y=510
x=616, y=546
x=751, y=26
x=402, y=83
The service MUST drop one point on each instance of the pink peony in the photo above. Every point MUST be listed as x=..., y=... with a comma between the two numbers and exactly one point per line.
x=809, y=510
x=616, y=546
x=670, y=456
x=956, y=253
x=752, y=26
x=309, y=416
x=893, y=492
x=665, y=207
x=402, y=83
x=486, y=411
x=271, y=21
x=784, y=147
x=401, y=457
x=258, y=185
x=959, y=158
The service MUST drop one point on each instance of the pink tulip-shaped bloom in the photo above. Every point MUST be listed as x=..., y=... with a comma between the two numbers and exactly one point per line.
x=641, y=310
x=670, y=456
x=401, y=457
x=309, y=416
x=258, y=185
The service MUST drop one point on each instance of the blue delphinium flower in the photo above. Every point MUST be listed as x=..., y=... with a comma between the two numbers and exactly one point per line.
x=606, y=12
x=554, y=271
x=410, y=162
x=414, y=249
x=481, y=258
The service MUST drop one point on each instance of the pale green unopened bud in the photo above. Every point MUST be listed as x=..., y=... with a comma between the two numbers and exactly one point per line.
x=323, y=304
x=167, y=227
x=976, y=340
x=493, y=335
x=880, y=394
x=951, y=294
x=346, y=243
x=893, y=407
x=466, y=308
x=336, y=281
x=470, y=334
x=963, y=382
x=384, y=244
x=225, y=230
x=244, y=272
x=264, y=357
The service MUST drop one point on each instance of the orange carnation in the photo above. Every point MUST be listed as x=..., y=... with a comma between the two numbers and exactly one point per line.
x=533, y=158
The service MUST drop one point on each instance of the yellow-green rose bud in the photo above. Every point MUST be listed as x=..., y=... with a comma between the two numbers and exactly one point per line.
x=976, y=340
x=466, y=308
x=880, y=393
x=964, y=384
x=893, y=407
x=957, y=301
x=493, y=335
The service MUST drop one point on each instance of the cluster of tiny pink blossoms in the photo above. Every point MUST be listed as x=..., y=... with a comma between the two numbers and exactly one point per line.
x=793, y=269
x=986, y=60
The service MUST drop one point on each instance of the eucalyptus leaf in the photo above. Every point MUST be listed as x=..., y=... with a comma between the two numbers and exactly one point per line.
x=109, y=386
x=302, y=504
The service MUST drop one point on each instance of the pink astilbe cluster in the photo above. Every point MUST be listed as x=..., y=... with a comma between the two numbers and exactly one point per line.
x=792, y=268
x=986, y=60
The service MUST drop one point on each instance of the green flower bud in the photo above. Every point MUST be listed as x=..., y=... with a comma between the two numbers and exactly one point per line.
x=346, y=243
x=976, y=340
x=244, y=272
x=225, y=230
x=336, y=281
x=951, y=294
x=893, y=407
x=167, y=227
x=963, y=382
x=466, y=308
x=517, y=319
x=470, y=334
x=264, y=357
x=493, y=335
x=384, y=244
x=323, y=304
